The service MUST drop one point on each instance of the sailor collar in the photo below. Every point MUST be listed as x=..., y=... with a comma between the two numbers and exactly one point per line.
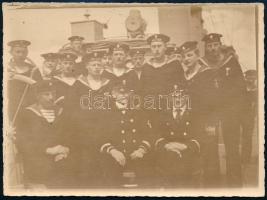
x=83, y=79
x=68, y=81
x=167, y=60
x=12, y=67
x=110, y=70
x=222, y=63
x=36, y=109
x=198, y=69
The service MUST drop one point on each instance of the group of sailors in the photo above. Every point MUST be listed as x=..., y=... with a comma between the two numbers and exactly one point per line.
x=74, y=126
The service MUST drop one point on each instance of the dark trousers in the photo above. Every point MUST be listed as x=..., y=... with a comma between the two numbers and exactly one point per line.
x=115, y=175
x=248, y=122
x=174, y=171
x=231, y=136
x=210, y=161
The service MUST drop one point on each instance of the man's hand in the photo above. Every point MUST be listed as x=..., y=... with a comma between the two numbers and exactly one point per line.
x=60, y=157
x=118, y=156
x=11, y=132
x=175, y=146
x=139, y=153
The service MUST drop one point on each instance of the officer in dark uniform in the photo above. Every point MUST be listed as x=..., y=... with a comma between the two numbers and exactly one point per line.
x=231, y=86
x=203, y=101
x=126, y=142
x=177, y=148
x=39, y=140
x=50, y=65
x=118, y=70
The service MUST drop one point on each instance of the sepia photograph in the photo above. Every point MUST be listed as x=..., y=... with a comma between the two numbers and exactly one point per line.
x=133, y=99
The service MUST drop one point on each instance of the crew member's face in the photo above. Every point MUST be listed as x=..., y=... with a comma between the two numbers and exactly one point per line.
x=67, y=66
x=105, y=60
x=212, y=49
x=49, y=66
x=138, y=61
x=76, y=45
x=19, y=53
x=190, y=58
x=158, y=49
x=95, y=67
x=47, y=99
x=251, y=82
x=178, y=57
x=118, y=58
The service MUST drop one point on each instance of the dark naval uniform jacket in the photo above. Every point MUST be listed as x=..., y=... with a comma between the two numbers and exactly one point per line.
x=161, y=80
x=84, y=116
x=115, y=80
x=127, y=131
x=35, y=135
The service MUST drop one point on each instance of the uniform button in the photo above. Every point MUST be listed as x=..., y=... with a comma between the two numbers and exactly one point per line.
x=134, y=130
x=187, y=123
x=122, y=131
x=123, y=112
x=134, y=141
x=122, y=122
x=185, y=133
x=132, y=120
x=172, y=133
x=123, y=141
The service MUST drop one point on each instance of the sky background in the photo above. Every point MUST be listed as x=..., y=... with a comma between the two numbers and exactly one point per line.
x=48, y=29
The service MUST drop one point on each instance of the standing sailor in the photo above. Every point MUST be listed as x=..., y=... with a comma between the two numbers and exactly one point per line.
x=118, y=70
x=86, y=105
x=21, y=71
x=50, y=65
x=65, y=80
x=138, y=60
x=231, y=86
x=203, y=102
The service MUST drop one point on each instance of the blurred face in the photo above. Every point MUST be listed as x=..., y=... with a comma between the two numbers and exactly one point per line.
x=76, y=45
x=178, y=57
x=138, y=61
x=118, y=58
x=158, y=49
x=46, y=99
x=95, y=67
x=105, y=60
x=212, y=49
x=251, y=82
x=49, y=66
x=190, y=58
x=67, y=66
x=19, y=54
